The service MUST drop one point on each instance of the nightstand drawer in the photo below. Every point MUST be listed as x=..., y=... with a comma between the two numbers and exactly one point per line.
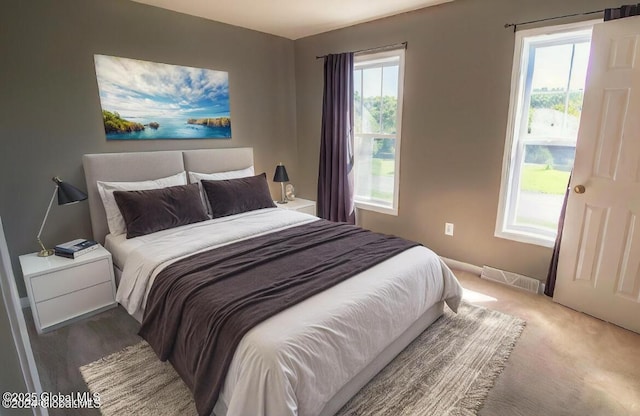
x=64, y=281
x=53, y=311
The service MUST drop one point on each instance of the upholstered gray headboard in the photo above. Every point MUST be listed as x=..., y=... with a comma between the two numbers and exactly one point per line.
x=140, y=166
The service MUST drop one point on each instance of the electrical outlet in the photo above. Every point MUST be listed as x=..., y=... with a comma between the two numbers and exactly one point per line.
x=448, y=228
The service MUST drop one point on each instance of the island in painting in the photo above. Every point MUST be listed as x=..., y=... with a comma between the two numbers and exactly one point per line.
x=146, y=100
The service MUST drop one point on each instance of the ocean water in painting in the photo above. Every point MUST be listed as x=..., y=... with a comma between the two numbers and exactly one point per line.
x=172, y=128
x=146, y=101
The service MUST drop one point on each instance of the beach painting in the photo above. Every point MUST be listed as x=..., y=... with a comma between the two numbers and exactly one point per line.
x=147, y=101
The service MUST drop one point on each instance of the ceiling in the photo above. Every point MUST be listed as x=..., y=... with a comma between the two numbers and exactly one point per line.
x=292, y=19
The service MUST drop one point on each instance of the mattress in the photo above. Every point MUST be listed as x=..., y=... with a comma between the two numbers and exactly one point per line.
x=296, y=361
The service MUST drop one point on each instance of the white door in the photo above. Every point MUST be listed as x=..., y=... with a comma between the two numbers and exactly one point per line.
x=599, y=265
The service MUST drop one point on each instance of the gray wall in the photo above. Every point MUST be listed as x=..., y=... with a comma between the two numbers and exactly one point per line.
x=50, y=112
x=457, y=84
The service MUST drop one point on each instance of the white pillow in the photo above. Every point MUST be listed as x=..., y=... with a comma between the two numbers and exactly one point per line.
x=218, y=176
x=114, y=217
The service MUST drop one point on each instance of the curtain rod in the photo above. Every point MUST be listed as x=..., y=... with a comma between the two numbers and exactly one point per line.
x=515, y=25
x=376, y=49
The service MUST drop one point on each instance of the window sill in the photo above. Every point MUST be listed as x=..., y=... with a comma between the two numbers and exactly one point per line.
x=376, y=208
x=524, y=237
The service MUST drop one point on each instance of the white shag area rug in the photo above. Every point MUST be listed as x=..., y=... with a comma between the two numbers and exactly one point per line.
x=448, y=370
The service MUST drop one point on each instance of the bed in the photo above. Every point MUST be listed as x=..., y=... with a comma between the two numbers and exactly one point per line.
x=310, y=358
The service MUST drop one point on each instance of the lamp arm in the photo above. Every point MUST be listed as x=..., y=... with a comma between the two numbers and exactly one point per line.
x=45, y=218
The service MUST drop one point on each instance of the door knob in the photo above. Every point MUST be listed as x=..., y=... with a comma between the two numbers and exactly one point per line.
x=579, y=189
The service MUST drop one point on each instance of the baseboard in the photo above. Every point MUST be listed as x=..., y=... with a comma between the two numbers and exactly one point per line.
x=460, y=265
x=24, y=302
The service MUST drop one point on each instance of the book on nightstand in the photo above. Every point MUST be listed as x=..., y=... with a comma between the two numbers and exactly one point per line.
x=75, y=248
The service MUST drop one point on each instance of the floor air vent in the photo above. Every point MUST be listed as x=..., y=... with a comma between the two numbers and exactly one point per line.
x=512, y=279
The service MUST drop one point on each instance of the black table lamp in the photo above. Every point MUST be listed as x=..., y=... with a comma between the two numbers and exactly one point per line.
x=282, y=177
x=67, y=194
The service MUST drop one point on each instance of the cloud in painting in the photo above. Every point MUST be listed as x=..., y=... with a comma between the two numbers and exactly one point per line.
x=140, y=89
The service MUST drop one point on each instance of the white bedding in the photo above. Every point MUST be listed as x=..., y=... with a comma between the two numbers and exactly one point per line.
x=120, y=247
x=294, y=362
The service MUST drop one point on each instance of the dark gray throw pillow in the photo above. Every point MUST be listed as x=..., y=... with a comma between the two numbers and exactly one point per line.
x=235, y=196
x=148, y=211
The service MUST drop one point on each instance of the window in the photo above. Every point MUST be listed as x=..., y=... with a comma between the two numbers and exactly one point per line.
x=550, y=68
x=377, y=95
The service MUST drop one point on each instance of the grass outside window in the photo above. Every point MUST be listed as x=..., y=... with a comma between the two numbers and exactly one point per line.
x=544, y=179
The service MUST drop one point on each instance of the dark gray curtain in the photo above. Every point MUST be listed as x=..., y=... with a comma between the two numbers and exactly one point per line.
x=550, y=286
x=621, y=12
x=335, y=176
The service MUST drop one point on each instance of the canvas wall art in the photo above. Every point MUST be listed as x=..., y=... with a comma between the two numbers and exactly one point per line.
x=146, y=100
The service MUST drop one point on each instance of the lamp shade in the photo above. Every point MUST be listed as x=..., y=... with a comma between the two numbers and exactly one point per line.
x=67, y=193
x=281, y=174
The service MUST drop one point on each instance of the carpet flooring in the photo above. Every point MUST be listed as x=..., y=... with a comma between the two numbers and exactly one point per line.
x=448, y=369
x=566, y=363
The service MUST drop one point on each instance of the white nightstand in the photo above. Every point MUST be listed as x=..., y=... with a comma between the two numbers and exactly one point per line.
x=301, y=205
x=64, y=290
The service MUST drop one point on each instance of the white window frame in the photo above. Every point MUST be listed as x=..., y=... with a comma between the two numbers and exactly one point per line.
x=510, y=161
x=367, y=57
